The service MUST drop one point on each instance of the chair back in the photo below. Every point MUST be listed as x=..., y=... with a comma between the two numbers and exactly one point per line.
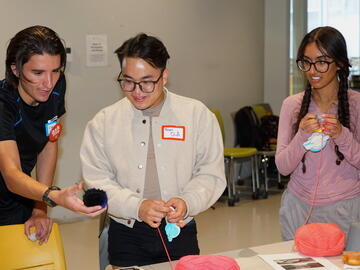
x=247, y=129
x=18, y=252
x=262, y=109
x=221, y=123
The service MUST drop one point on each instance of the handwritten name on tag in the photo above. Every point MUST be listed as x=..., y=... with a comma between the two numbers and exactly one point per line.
x=173, y=133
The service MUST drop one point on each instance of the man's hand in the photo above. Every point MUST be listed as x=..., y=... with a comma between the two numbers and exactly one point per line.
x=68, y=199
x=153, y=211
x=177, y=215
x=42, y=224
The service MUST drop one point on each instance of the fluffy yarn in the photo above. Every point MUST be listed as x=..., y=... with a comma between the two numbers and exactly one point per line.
x=94, y=197
x=320, y=239
x=206, y=262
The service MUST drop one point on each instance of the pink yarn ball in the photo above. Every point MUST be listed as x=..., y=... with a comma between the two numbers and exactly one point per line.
x=206, y=262
x=320, y=239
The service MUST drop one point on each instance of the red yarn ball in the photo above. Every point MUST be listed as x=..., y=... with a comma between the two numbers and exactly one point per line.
x=320, y=239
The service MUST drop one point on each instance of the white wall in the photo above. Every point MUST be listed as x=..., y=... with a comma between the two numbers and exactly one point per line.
x=276, y=52
x=216, y=50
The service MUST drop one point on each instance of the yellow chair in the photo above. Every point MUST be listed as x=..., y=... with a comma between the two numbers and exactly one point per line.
x=235, y=154
x=262, y=109
x=18, y=252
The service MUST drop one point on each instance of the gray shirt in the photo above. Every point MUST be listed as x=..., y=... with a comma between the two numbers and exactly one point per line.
x=151, y=185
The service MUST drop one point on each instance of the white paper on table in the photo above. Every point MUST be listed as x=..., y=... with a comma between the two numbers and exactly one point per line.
x=348, y=266
x=289, y=261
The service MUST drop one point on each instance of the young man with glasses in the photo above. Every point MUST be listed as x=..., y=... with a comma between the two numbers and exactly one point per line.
x=159, y=157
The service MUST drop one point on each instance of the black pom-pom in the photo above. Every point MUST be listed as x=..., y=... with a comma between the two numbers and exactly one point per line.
x=94, y=197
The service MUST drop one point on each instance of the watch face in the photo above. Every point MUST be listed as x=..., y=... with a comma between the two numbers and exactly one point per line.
x=46, y=198
x=50, y=203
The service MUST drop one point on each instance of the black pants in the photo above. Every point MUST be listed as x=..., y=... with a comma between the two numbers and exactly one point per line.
x=141, y=245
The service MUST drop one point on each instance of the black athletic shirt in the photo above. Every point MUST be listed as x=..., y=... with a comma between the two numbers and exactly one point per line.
x=25, y=124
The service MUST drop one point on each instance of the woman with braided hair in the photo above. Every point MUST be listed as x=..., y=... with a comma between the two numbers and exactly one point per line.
x=324, y=185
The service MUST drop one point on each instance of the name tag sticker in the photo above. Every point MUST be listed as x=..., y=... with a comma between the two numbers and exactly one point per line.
x=55, y=133
x=49, y=126
x=173, y=133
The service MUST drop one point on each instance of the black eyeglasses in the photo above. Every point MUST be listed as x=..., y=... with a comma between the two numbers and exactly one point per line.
x=145, y=86
x=321, y=66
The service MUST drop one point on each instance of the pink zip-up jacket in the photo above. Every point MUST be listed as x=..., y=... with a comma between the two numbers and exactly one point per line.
x=336, y=182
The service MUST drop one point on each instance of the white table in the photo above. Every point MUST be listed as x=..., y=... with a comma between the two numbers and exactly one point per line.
x=247, y=258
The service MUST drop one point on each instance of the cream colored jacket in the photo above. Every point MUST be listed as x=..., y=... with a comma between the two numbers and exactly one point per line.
x=114, y=154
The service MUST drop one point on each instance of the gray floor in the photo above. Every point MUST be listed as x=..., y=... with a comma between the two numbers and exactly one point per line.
x=248, y=223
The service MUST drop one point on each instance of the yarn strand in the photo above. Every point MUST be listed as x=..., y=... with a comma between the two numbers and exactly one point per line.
x=317, y=183
x=166, y=250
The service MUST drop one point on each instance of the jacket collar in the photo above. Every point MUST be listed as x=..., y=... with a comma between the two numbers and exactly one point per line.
x=164, y=110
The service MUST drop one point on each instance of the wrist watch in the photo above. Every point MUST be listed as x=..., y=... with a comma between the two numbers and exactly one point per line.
x=49, y=202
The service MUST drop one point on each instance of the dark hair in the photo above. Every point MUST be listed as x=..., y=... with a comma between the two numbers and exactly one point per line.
x=148, y=48
x=28, y=42
x=331, y=43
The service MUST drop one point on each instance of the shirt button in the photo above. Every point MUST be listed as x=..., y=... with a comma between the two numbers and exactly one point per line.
x=137, y=190
x=142, y=143
x=140, y=166
x=129, y=221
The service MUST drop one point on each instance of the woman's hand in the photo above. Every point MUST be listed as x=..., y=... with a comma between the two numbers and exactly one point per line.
x=331, y=125
x=309, y=123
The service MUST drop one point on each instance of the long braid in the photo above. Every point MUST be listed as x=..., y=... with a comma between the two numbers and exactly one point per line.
x=303, y=111
x=343, y=108
x=304, y=107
